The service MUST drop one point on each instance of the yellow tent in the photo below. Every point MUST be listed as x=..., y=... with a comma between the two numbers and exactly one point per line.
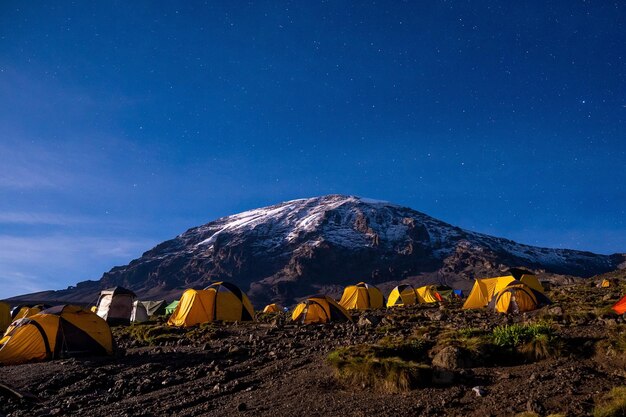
x=272, y=308
x=518, y=297
x=21, y=312
x=605, y=283
x=428, y=294
x=5, y=316
x=484, y=290
x=220, y=301
x=361, y=297
x=527, y=278
x=57, y=332
x=319, y=309
x=402, y=295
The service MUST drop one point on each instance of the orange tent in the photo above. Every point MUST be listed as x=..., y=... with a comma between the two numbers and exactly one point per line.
x=620, y=306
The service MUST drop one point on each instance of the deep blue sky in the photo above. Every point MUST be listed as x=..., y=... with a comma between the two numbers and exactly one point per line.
x=122, y=123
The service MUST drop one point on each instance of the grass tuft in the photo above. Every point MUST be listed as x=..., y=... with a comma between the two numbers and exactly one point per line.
x=535, y=341
x=391, y=366
x=613, y=404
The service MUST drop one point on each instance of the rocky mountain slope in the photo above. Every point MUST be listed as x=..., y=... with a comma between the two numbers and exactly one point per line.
x=300, y=247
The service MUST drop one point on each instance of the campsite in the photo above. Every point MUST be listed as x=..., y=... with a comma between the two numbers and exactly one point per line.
x=432, y=358
x=313, y=208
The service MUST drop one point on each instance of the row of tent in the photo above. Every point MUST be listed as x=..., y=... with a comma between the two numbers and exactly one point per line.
x=519, y=291
x=40, y=333
x=516, y=292
x=226, y=302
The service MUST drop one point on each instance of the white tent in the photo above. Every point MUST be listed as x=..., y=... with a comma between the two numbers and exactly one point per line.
x=139, y=314
x=115, y=305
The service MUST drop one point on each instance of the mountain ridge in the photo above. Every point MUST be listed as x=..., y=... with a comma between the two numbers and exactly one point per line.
x=292, y=249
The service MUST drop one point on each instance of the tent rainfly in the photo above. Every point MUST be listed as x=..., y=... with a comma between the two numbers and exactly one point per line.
x=219, y=301
x=361, y=296
x=319, y=309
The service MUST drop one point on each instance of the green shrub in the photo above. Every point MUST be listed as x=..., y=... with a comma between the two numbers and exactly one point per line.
x=613, y=404
x=534, y=341
x=517, y=334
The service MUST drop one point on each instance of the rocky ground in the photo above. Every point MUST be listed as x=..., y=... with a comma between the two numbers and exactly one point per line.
x=273, y=367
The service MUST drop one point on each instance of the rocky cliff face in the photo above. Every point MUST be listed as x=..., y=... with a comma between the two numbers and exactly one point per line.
x=301, y=247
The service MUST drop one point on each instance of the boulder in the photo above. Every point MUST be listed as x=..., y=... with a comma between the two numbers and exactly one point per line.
x=451, y=357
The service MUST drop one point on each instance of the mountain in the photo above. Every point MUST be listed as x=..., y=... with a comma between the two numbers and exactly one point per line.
x=301, y=247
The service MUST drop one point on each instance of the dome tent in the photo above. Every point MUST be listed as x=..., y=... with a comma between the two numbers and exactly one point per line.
x=169, y=309
x=154, y=308
x=620, y=306
x=434, y=293
x=402, y=295
x=518, y=297
x=319, y=309
x=361, y=297
x=486, y=288
x=272, y=308
x=219, y=301
x=57, y=332
x=139, y=313
x=116, y=305
x=23, y=311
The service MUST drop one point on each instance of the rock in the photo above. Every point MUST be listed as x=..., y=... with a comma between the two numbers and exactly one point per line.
x=451, y=357
x=534, y=407
x=435, y=315
x=557, y=310
x=610, y=322
x=367, y=321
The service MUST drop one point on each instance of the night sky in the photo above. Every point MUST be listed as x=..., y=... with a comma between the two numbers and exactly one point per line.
x=122, y=124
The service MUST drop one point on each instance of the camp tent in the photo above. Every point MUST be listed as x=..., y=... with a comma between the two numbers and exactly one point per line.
x=154, y=308
x=139, y=313
x=433, y=293
x=115, y=305
x=518, y=297
x=169, y=309
x=620, y=306
x=23, y=311
x=484, y=289
x=272, y=308
x=319, y=309
x=219, y=301
x=457, y=293
x=527, y=278
x=402, y=295
x=361, y=296
x=57, y=332
x=605, y=283
x=5, y=316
